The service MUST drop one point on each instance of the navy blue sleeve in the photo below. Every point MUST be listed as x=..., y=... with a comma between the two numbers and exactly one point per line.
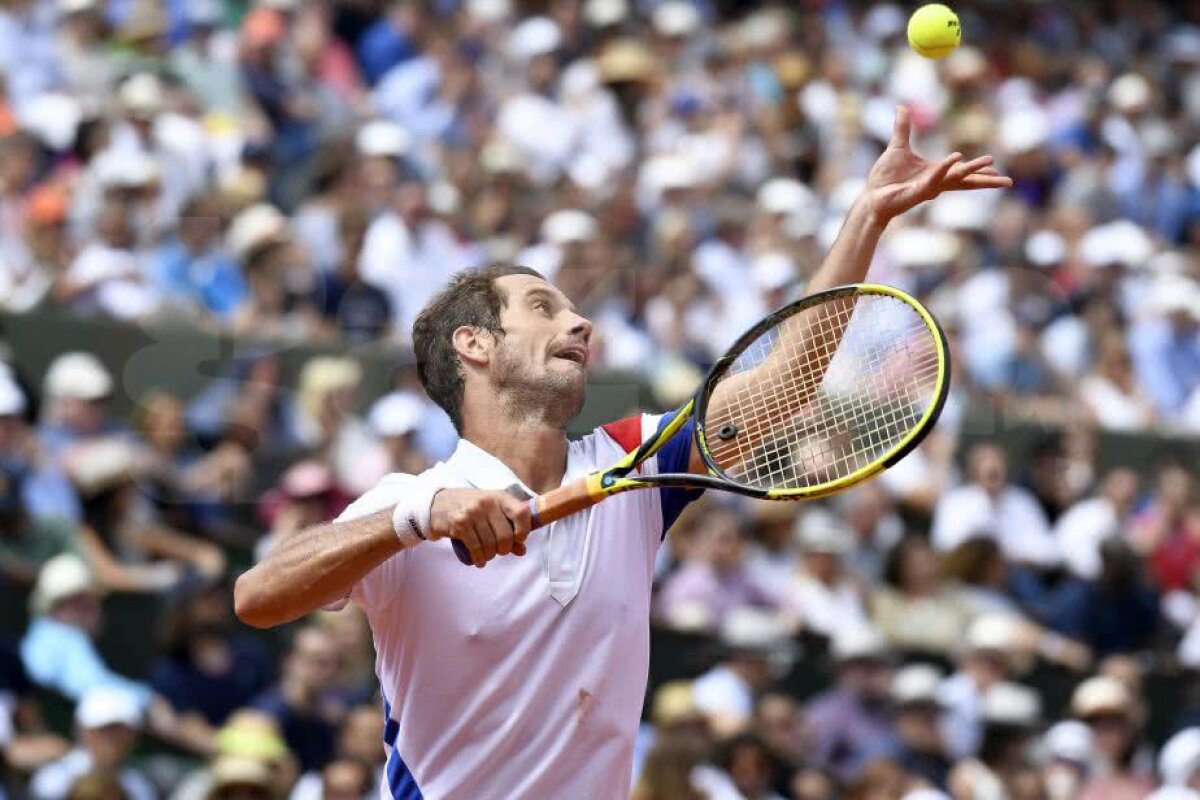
x=674, y=457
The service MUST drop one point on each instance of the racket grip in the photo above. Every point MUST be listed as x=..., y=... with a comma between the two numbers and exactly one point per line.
x=460, y=549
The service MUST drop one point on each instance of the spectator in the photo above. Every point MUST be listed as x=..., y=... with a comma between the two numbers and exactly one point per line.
x=307, y=495
x=77, y=390
x=240, y=778
x=990, y=506
x=915, y=609
x=395, y=419
x=727, y=693
x=58, y=649
x=247, y=406
x=1116, y=613
x=25, y=744
x=27, y=542
x=108, y=277
x=44, y=490
x=820, y=595
x=327, y=422
x=108, y=721
x=347, y=779
x=307, y=712
x=126, y=547
x=771, y=551
x=1070, y=756
x=1179, y=759
x=246, y=734
x=358, y=745
x=749, y=763
x=715, y=581
x=849, y=722
x=1110, y=395
x=278, y=278
x=779, y=723
x=206, y=667
x=1084, y=525
x=1011, y=715
x=1105, y=704
x=355, y=310
x=918, y=743
x=192, y=270
x=1161, y=530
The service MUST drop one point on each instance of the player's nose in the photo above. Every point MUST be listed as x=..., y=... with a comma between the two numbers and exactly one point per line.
x=581, y=327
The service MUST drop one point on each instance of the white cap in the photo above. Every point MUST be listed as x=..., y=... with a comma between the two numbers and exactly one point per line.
x=1118, y=242
x=489, y=11
x=772, y=271
x=444, y=198
x=1130, y=92
x=108, y=705
x=1012, y=704
x=53, y=117
x=916, y=683
x=883, y=20
x=396, y=414
x=534, y=37
x=500, y=157
x=675, y=18
x=12, y=399
x=569, y=225
x=61, y=577
x=923, y=247
x=142, y=93
x=1102, y=694
x=1173, y=294
x=784, y=196
x=963, y=211
x=257, y=225
x=858, y=641
x=1023, y=130
x=78, y=375
x=1069, y=740
x=667, y=172
x=125, y=169
x=819, y=530
x=1045, y=248
x=1180, y=757
x=100, y=464
x=384, y=138
x=602, y=13
x=996, y=631
x=752, y=629
x=66, y=7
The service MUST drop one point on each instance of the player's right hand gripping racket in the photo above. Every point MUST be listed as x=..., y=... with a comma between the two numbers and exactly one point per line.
x=820, y=395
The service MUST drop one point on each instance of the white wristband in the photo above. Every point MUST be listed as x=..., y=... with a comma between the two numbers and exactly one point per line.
x=410, y=517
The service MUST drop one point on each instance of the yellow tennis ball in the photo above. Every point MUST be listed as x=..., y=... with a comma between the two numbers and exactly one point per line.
x=933, y=31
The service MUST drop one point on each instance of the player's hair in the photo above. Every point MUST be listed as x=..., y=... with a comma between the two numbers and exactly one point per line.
x=471, y=299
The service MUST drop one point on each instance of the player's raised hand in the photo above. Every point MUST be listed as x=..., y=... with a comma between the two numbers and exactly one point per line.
x=901, y=179
x=488, y=523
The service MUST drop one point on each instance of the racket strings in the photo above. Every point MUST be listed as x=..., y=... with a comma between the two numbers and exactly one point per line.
x=824, y=393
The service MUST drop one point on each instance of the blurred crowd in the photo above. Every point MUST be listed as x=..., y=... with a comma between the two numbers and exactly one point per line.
x=312, y=171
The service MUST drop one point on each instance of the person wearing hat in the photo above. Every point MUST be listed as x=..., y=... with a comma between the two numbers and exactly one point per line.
x=820, y=594
x=108, y=722
x=1179, y=760
x=236, y=778
x=278, y=276
x=1108, y=707
x=252, y=735
x=916, y=713
x=27, y=541
x=850, y=720
x=307, y=493
x=76, y=390
x=45, y=492
x=396, y=419
x=1069, y=754
x=1012, y=715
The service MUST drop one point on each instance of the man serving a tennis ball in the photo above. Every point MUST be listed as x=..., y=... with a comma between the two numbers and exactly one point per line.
x=525, y=679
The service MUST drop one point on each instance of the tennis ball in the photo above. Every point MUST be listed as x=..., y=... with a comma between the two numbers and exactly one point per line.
x=933, y=31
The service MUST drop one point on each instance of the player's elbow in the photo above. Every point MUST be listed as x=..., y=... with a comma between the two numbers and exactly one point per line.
x=252, y=601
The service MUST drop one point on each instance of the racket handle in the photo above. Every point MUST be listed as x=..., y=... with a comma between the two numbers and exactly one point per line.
x=464, y=555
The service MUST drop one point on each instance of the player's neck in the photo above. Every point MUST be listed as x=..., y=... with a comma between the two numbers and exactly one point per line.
x=535, y=452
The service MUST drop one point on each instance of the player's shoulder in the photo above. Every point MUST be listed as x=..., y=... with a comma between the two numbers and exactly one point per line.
x=612, y=440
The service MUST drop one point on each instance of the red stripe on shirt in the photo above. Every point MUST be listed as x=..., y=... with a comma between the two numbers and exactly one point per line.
x=626, y=432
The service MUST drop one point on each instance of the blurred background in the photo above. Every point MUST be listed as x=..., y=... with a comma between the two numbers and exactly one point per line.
x=218, y=221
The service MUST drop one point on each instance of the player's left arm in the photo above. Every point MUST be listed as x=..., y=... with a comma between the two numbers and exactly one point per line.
x=900, y=180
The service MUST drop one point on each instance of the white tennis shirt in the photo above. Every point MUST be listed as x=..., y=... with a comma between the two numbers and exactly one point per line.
x=524, y=679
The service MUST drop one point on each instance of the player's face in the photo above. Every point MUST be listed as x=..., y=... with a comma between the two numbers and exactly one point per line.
x=542, y=356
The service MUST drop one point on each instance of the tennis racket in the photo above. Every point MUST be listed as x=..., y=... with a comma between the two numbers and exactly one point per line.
x=820, y=395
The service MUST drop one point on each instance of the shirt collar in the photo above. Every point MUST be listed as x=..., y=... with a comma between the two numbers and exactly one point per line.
x=483, y=470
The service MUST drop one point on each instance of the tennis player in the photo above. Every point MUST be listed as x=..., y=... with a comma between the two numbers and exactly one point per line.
x=525, y=679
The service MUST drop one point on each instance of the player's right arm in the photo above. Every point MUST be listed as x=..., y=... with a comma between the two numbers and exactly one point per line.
x=322, y=564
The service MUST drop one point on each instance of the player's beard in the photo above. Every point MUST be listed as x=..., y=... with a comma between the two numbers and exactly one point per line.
x=540, y=392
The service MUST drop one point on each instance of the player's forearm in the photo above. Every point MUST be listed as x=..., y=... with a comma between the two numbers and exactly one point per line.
x=850, y=257
x=314, y=568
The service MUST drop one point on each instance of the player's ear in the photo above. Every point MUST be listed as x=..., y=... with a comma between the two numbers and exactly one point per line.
x=473, y=345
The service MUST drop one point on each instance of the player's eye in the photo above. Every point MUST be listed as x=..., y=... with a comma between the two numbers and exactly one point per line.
x=542, y=305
